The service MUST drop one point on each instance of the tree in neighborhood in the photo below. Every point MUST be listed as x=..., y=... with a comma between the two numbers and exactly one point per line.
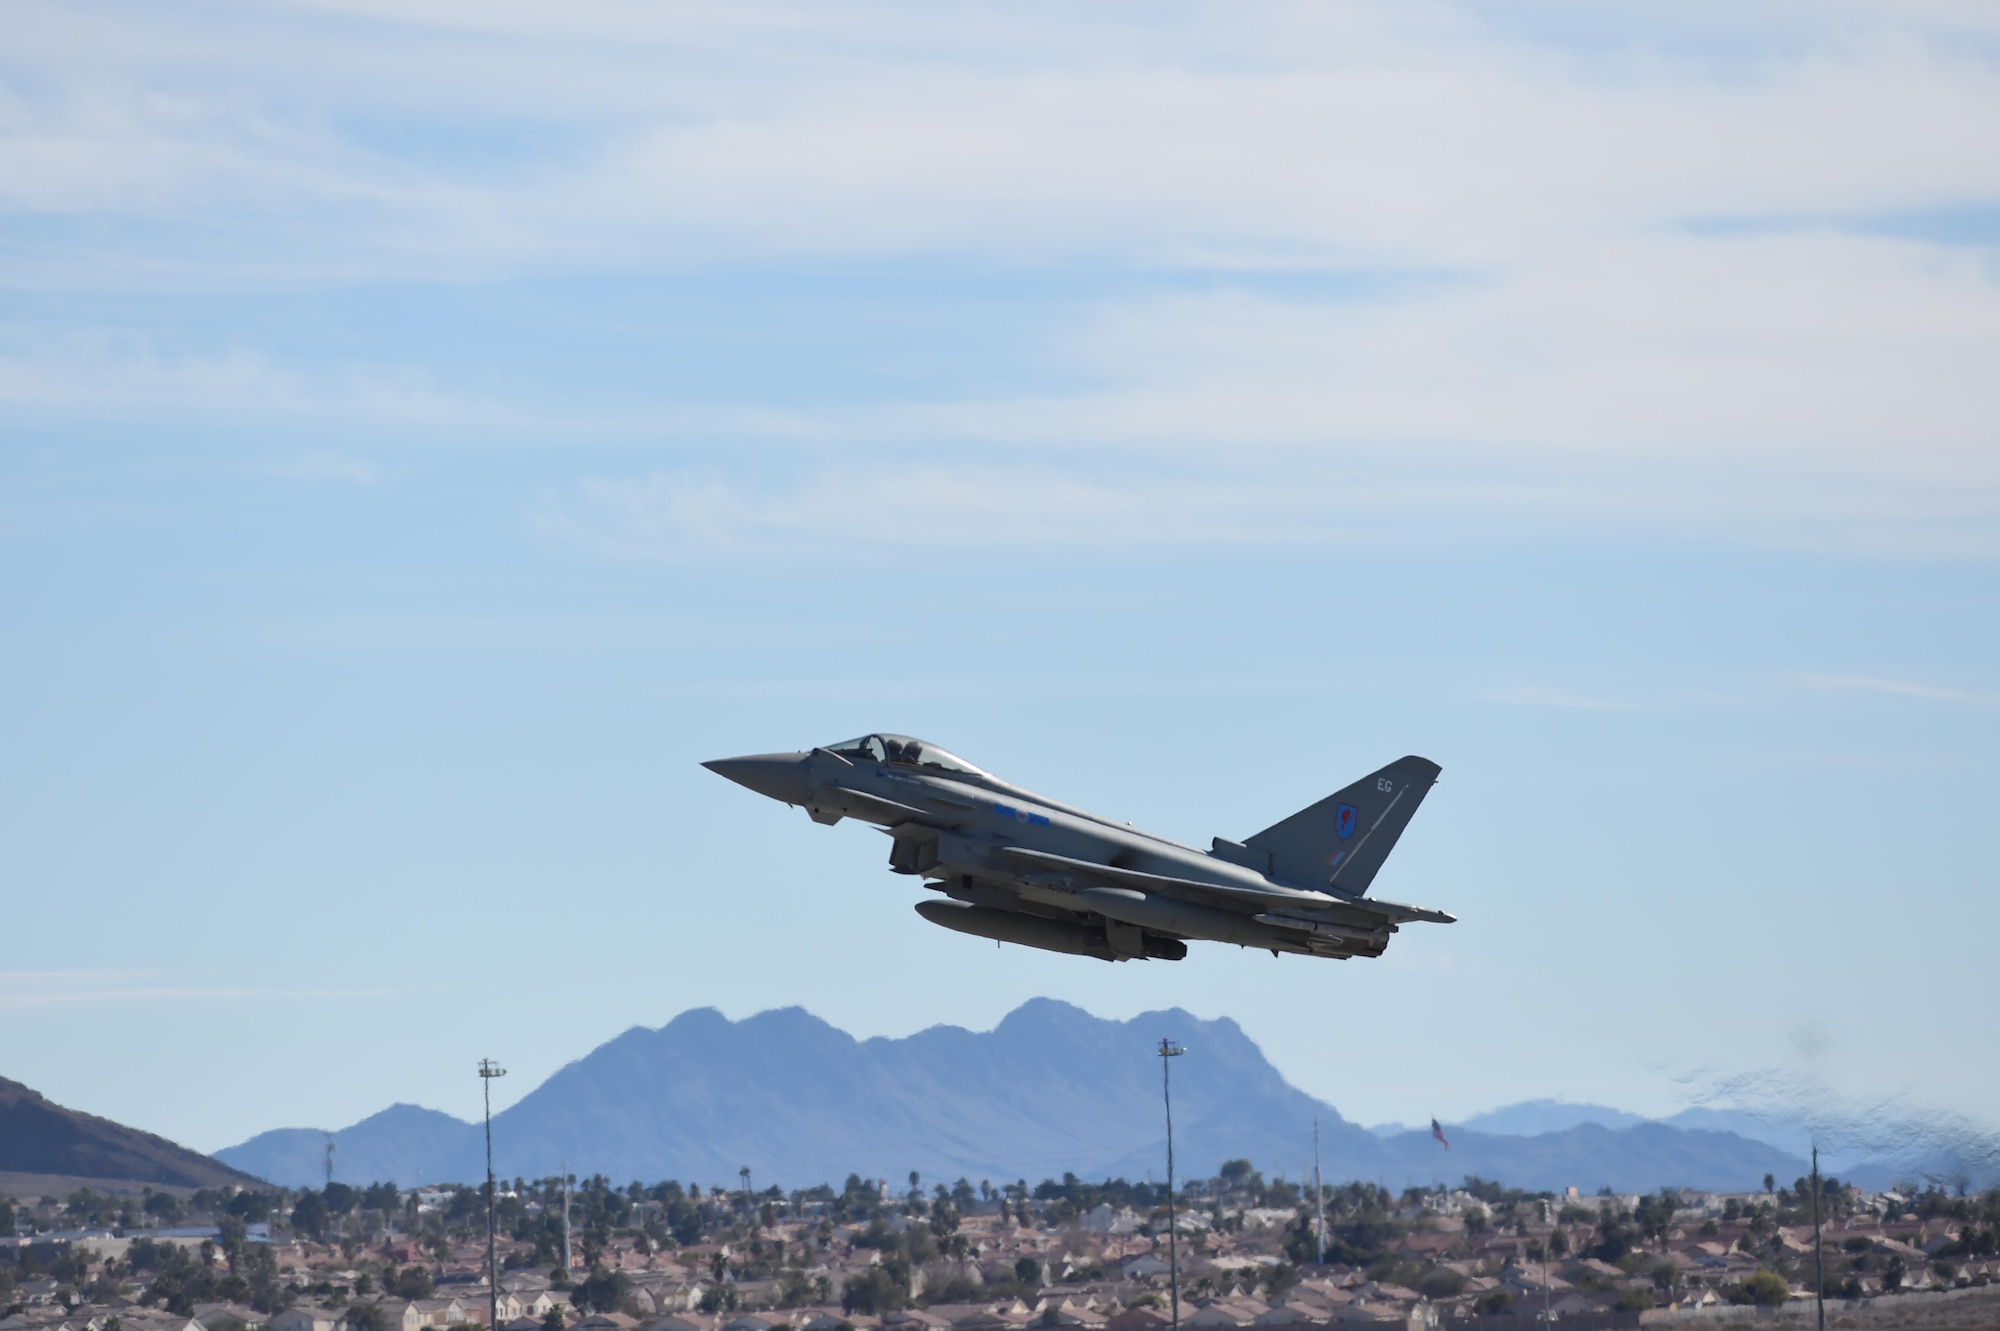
x=874, y=1291
x=367, y=1317
x=601, y=1291
x=260, y=1273
x=309, y=1217
x=1442, y=1283
x=234, y=1234
x=1766, y=1289
x=1656, y=1216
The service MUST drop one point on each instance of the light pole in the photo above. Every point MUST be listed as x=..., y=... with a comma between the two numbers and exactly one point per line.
x=1169, y=1051
x=488, y=1070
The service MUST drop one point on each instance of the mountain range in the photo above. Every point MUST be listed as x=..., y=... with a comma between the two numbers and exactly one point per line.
x=41, y=1138
x=1529, y=1118
x=1050, y=1090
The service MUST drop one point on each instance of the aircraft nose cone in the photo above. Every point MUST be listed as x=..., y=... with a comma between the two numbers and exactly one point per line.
x=778, y=776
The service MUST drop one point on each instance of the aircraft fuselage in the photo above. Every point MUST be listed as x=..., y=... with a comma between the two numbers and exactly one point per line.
x=1014, y=865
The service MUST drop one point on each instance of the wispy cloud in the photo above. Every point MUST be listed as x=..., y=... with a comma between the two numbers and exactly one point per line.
x=851, y=500
x=451, y=633
x=1896, y=688
x=1026, y=499
x=697, y=132
x=95, y=373
x=1541, y=697
x=27, y=990
x=1577, y=353
x=325, y=466
x=705, y=514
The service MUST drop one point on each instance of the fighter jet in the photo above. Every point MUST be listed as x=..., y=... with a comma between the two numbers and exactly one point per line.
x=1016, y=866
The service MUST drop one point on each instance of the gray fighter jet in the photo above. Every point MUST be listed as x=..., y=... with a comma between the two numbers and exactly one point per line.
x=1021, y=868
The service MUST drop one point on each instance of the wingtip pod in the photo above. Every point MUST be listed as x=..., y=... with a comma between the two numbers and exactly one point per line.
x=1397, y=912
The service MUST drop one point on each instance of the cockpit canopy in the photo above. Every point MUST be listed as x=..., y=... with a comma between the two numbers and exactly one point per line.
x=901, y=749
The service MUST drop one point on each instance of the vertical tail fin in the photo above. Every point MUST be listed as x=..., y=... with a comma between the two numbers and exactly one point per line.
x=1339, y=843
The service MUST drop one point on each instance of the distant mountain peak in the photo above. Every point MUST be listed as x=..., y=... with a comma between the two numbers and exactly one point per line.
x=1529, y=1118
x=1039, y=1012
x=793, y=1018
x=404, y=1112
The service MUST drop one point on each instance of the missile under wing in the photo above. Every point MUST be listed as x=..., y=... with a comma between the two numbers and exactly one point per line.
x=1009, y=864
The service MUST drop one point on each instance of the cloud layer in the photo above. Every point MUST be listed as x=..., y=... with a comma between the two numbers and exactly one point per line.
x=1712, y=273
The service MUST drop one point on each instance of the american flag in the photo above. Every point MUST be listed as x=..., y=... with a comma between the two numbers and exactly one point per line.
x=1438, y=1132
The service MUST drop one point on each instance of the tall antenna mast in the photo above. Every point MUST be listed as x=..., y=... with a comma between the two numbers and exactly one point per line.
x=329, y=1179
x=488, y=1070
x=565, y=1187
x=1819, y=1253
x=1319, y=1202
x=1548, y=1242
x=1168, y=1052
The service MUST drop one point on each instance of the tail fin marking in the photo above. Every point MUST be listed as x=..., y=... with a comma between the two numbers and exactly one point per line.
x=1341, y=842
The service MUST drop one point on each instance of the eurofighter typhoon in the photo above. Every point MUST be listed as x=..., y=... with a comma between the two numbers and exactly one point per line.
x=1021, y=868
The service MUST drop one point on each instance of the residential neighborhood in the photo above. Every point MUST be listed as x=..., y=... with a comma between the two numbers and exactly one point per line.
x=587, y=1256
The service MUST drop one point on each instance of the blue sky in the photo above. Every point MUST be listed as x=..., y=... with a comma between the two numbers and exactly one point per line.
x=431, y=429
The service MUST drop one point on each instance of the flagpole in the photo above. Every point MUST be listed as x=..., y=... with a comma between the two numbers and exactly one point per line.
x=1437, y=1131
